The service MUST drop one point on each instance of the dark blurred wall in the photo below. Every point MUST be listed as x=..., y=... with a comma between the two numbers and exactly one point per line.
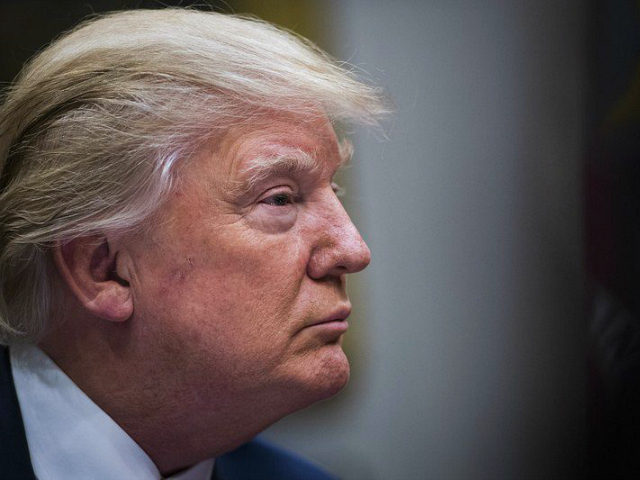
x=613, y=240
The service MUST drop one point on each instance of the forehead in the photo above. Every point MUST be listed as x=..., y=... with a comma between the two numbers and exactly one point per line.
x=265, y=138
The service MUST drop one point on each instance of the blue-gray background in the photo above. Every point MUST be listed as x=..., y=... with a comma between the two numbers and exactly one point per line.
x=471, y=362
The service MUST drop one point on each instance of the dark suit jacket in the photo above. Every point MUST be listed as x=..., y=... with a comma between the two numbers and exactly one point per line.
x=254, y=460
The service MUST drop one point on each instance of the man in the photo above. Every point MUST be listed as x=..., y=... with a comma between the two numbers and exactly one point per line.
x=172, y=251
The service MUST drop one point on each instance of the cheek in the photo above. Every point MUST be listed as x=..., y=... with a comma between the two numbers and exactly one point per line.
x=260, y=286
x=245, y=289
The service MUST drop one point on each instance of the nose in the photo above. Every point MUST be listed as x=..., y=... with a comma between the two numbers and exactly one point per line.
x=340, y=249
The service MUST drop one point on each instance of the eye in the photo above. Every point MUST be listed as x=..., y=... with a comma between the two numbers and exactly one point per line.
x=281, y=199
x=276, y=210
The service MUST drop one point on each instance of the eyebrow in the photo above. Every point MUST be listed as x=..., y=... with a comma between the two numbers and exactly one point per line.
x=286, y=162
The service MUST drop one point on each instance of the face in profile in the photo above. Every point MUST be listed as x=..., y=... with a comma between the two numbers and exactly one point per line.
x=239, y=286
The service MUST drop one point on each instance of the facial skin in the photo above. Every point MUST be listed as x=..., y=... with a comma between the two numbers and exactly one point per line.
x=227, y=313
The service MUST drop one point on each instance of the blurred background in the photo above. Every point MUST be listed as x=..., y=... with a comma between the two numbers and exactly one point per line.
x=493, y=208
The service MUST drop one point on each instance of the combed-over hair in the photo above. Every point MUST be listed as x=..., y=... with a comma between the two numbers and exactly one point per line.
x=92, y=128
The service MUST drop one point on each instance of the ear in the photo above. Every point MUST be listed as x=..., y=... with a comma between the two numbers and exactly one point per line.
x=90, y=269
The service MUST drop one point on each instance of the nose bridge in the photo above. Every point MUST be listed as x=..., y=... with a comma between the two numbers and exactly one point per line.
x=340, y=225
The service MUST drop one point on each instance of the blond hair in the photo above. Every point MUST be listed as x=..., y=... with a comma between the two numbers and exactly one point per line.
x=91, y=130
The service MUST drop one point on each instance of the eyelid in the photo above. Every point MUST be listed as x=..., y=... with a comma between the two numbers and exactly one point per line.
x=278, y=190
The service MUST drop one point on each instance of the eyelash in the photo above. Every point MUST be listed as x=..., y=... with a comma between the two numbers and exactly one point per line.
x=276, y=199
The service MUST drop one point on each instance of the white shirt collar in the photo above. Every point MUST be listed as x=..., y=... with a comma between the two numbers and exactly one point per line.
x=69, y=436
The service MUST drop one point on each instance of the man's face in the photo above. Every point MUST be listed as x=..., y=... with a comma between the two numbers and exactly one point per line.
x=240, y=286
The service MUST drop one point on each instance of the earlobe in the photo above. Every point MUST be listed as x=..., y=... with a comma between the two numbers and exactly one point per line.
x=89, y=267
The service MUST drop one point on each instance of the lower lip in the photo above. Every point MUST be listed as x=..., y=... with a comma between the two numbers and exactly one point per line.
x=334, y=327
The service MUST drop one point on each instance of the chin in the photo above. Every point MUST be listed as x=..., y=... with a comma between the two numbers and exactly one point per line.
x=329, y=374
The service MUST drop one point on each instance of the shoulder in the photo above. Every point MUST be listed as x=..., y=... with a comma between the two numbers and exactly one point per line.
x=15, y=462
x=259, y=459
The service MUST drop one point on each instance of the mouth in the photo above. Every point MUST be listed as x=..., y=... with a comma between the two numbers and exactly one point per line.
x=334, y=323
x=338, y=315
